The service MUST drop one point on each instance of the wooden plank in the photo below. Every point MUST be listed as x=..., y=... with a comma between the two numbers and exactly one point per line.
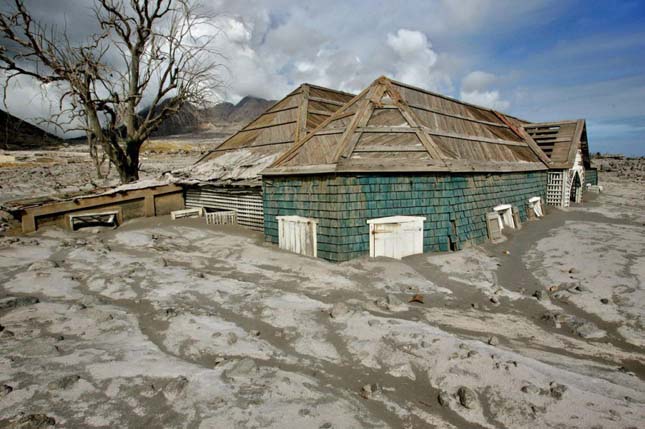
x=456, y=116
x=320, y=112
x=341, y=113
x=301, y=128
x=255, y=145
x=526, y=137
x=432, y=148
x=372, y=148
x=325, y=101
x=472, y=138
x=330, y=131
x=386, y=130
x=349, y=139
x=549, y=124
x=573, y=149
x=285, y=109
x=267, y=126
x=552, y=140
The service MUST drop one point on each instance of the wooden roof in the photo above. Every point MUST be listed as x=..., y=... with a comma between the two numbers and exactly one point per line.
x=391, y=126
x=560, y=141
x=289, y=119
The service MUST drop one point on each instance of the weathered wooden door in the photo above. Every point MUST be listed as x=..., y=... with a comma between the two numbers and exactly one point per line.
x=298, y=235
x=385, y=239
x=396, y=236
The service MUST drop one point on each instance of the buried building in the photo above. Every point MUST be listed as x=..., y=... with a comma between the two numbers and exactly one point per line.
x=399, y=170
x=228, y=177
x=565, y=143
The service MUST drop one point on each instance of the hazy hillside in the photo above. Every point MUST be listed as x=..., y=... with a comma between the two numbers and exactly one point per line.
x=18, y=134
x=190, y=119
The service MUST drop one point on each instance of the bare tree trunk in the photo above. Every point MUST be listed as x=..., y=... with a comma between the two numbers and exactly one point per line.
x=154, y=54
x=130, y=171
x=94, y=154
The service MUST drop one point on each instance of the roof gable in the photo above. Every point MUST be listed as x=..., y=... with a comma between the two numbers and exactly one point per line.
x=286, y=121
x=560, y=141
x=241, y=157
x=391, y=126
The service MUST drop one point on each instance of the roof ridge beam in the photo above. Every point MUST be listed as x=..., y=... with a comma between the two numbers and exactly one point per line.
x=363, y=114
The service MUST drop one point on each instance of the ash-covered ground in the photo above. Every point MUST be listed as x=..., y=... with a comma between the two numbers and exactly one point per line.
x=32, y=173
x=182, y=325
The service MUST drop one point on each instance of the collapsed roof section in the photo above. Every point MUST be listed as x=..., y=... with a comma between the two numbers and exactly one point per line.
x=240, y=158
x=394, y=127
x=560, y=141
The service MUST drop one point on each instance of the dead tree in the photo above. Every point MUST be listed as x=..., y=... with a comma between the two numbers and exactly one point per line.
x=152, y=54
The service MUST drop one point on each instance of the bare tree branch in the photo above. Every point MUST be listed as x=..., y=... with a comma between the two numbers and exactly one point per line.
x=146, y=52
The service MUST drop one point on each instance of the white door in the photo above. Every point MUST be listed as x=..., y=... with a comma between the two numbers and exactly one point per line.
x=411, y=238
x=396, y=236
x=298, y=235
x=385, y=239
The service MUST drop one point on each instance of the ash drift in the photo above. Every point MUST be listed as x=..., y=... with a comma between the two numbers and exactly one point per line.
x=173, y=324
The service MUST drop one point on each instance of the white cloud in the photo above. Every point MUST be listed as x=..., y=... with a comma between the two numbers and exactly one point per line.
x=486, y=99
x=476, y=89
x=414, y=60
x=247, y=71
x=477, y=81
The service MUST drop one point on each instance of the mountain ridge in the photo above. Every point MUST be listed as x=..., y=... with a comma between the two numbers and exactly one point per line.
x=16, y=133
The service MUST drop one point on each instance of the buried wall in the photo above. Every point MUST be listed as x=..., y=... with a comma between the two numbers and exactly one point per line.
x=130, y=204
x=455, y=205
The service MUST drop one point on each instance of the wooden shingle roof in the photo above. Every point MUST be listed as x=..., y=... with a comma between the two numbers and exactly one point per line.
x=560, y=141
x=391, y=126
x=286, y=121
x=243, y=155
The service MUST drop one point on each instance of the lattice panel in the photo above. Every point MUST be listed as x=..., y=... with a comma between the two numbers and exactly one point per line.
x=556, y=189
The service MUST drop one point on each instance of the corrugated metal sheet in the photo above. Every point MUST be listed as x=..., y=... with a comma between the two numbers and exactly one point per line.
x=248, y=206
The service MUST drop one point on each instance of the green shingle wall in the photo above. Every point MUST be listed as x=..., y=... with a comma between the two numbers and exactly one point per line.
x=343, y=204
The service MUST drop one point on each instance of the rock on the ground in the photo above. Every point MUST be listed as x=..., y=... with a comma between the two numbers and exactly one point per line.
x=493, y=341
x=64, y=382
x=391, y=303
x=339, y=310
x=175, y=387
x=467, y=397
x=33, y=421
x=369, y=390
x=5, y=390
x=17, y=301
x=45, y=264
x=531, y=389
x=557, y=390
x=243, y=368
x=584, y=328
x=443, y=398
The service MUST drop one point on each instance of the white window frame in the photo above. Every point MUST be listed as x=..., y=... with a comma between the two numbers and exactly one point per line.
x=504, y=216
x=535, y=204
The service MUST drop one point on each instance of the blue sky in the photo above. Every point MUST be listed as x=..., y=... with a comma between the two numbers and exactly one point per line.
x=537, y=59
